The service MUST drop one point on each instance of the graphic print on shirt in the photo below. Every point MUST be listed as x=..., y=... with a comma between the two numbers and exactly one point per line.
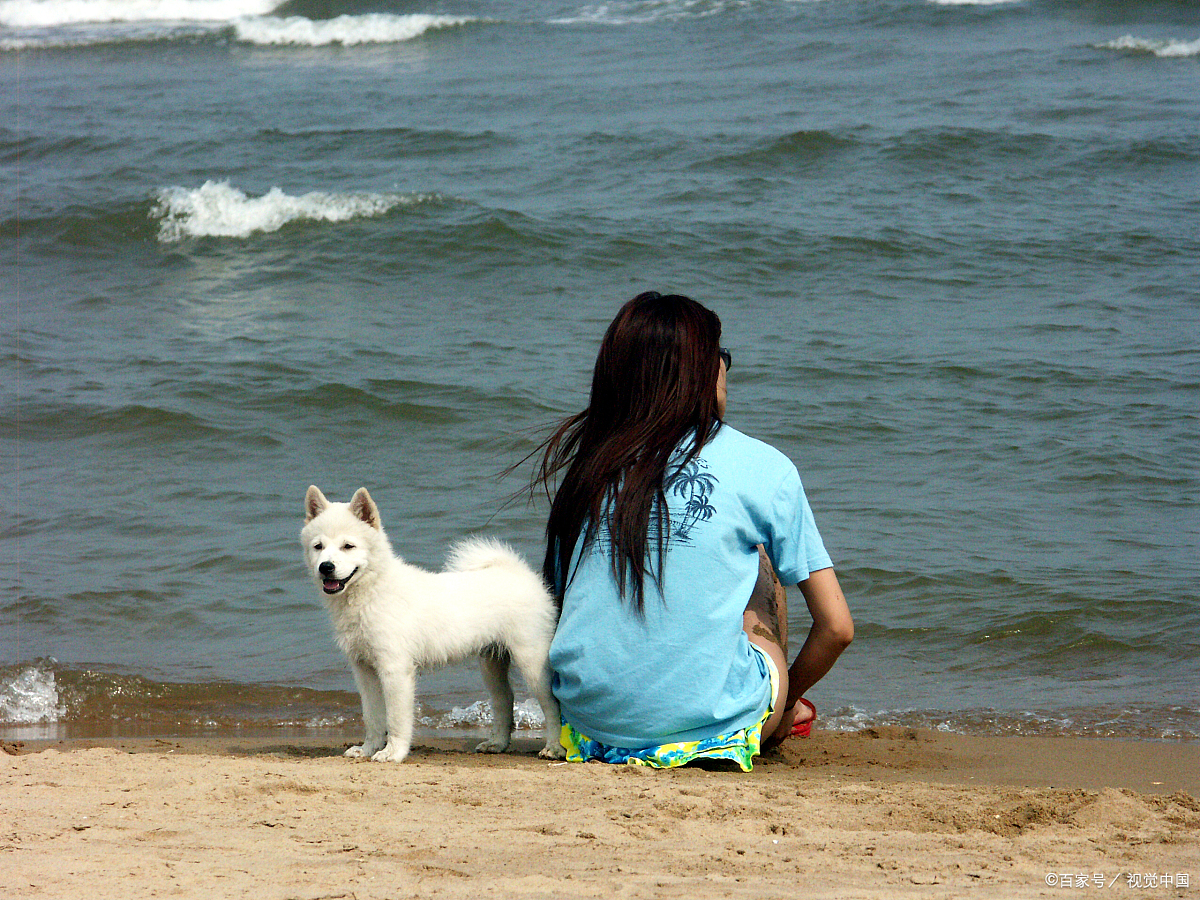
x=694, y=485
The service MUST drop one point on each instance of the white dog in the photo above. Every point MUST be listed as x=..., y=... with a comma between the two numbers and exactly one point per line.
x=392, y=619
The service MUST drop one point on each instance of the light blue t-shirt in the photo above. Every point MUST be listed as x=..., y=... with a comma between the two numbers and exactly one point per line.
x=686, y=670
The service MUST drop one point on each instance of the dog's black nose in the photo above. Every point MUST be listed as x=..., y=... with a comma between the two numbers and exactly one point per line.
x=325, y=568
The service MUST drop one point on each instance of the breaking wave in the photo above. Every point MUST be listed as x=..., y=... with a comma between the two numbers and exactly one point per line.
x=45, y=693
x=56, y=13
x=1166, y=49
x=81, y=23
x=527, y=716
x=59, y=700
x=378, y=28
x=643, y=12
x=29, y=695
x=974, y=2
x=216, y=209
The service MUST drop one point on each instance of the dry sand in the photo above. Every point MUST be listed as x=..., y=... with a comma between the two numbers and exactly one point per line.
x=882, y=813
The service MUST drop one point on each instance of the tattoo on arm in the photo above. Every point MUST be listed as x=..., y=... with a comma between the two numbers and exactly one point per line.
x=765, y=605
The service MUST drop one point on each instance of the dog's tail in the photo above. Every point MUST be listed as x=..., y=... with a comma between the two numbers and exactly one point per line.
x=483, y=553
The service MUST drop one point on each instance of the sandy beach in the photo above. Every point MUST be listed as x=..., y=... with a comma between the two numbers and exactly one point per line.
x=878, y=813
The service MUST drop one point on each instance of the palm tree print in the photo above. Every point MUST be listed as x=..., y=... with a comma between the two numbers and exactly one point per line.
x=691, y=483
x=695, y=486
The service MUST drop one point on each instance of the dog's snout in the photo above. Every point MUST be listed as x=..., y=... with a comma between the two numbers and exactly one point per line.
x=325, y=568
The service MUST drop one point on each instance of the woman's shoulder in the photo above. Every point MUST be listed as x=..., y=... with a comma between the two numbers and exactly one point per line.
x=729, y=444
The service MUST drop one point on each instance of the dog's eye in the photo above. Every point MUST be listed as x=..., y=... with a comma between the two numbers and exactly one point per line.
x=347, y=546
x=318, y=546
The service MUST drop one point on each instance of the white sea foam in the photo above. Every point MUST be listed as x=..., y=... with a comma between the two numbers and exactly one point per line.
x=641, y=12
x=92, y=35
x=1158, y=48
x=30, y=697
x=216, y=209
x=52, y=13
x=50, y=23
x=975, y=2
x=527, y=715
x=377, y=28
x=645, y=12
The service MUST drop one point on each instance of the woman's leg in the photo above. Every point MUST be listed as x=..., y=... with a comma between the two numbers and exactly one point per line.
x=765, y=623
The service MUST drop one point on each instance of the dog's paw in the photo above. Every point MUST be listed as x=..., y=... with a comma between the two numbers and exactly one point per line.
x=366, y=749
x=553, y=751
x=492, y=745
x=390, y=753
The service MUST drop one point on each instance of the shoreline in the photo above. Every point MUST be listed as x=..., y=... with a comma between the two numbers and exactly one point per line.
x=886, y=812
x=888, y=752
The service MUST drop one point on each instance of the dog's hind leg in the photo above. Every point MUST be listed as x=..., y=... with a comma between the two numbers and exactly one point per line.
x=493, y=662
x=370, y=692
x=535, y=667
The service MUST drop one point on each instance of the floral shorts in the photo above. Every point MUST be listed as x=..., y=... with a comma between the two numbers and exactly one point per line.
x=738, y=746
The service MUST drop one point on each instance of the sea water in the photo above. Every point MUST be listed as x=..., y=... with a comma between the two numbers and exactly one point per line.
x=246, y=247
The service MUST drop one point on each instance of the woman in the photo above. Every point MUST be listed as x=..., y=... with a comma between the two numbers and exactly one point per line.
x=672, y=634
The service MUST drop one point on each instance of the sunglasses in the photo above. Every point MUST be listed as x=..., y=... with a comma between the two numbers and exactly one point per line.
x=726, y=357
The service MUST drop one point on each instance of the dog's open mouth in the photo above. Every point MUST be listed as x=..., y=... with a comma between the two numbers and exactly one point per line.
x=335, y=585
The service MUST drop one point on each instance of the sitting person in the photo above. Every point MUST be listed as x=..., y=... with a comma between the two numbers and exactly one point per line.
x=666, y=533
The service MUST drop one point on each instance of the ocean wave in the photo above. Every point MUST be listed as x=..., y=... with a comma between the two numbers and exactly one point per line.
x=799, y=149
x=644, y=12
x=383, y=141
x=216, y=209
x=1165, y=49
x=1137, y=154
x=85, y=23
x=377, y=28
x=29, y=695
x=383, y=401
x=55, y=13
x=976, y=2
x=966, y=148
x=56, y=421
x=85, y=227
x=46, y=692
x=49, y=692
x=527, y=716
x=82, y=701
x=1162, y=722
x=107, y=35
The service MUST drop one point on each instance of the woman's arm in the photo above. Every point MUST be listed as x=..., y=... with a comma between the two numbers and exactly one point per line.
x=831, y=633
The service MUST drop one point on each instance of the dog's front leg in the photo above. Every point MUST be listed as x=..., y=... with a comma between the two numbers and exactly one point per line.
x=399, y=683
x=370, y=691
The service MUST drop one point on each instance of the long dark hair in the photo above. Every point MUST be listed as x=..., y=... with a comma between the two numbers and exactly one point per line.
x=654, y=386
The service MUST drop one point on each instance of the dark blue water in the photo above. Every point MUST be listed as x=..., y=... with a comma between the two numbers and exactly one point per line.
x=956, y=250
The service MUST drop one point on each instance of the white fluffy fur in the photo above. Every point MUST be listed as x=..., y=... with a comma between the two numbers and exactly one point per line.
x=392, y=619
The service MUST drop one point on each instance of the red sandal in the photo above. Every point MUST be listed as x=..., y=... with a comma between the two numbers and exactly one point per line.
x=804, y=729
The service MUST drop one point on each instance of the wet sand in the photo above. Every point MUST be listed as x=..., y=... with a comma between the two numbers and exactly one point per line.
x=886, y=812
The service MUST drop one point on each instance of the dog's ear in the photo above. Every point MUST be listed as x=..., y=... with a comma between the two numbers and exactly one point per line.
x=314, y=503
x=364, y=508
